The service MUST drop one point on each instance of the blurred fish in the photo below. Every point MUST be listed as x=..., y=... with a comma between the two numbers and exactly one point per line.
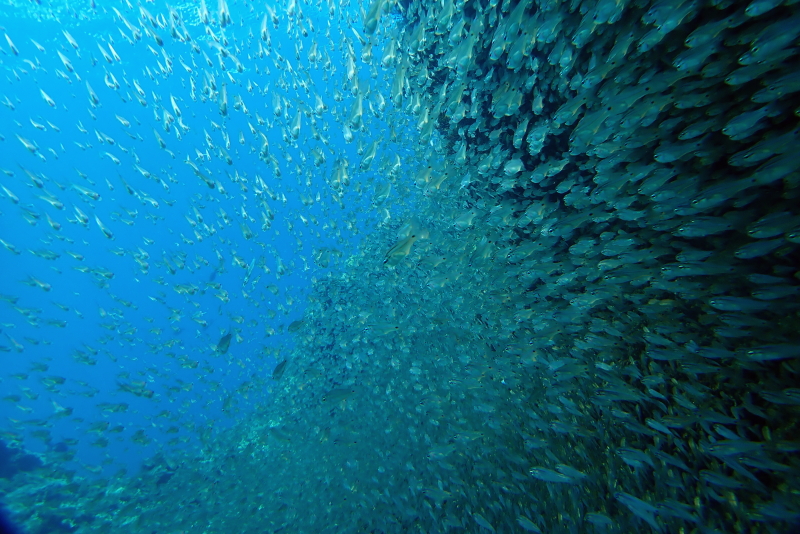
x=277, y=373
x=224, y=344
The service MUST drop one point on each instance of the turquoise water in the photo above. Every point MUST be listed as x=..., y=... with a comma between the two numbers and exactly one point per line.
x=399, y=267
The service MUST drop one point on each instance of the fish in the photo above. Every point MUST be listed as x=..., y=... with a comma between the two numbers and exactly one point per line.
x=339, y=395
x=408, y=236
x=548, y=475
x=527, y=524
x=224, y=344
x=106, y=232
x=277, y=373
x=640, y=508
x=483, y=522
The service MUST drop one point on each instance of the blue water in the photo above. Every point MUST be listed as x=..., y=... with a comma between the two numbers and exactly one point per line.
x=124, y=323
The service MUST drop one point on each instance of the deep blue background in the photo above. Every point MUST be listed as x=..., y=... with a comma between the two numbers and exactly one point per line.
x=187, y=401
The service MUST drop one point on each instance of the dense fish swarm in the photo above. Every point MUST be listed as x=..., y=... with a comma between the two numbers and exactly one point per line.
x=586, y=320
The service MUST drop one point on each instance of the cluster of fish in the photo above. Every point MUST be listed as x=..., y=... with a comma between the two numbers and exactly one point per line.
x=166, y=171
x=587, y=323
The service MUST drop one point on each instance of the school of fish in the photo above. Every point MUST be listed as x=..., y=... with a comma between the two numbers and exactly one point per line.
x=575, y=301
